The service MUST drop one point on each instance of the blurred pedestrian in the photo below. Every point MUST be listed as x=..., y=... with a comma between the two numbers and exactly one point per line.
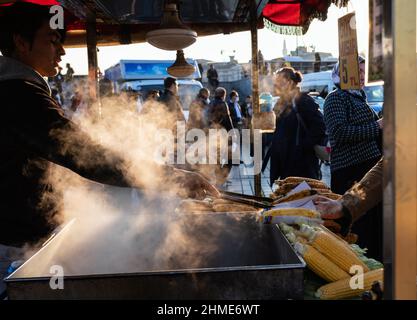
x=213, y=77
x=235, y=110
x=299, y=127
x=198, y=117
x=354, y=131
x=70, y=73
x=355, y=134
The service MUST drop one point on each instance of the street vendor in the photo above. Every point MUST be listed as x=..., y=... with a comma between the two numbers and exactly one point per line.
x=354, y=204
x=30, y=141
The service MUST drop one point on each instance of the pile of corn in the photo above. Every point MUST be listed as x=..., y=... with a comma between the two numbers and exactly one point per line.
x=317, y=187
x=333, y=259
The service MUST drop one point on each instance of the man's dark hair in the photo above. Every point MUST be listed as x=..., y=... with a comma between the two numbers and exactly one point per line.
x=168, y=82
x=220, y=92
x=203, y=91
x=23, y=19
x=232, y=94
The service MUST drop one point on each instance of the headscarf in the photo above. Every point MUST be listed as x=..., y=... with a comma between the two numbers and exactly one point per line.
x=336, y=78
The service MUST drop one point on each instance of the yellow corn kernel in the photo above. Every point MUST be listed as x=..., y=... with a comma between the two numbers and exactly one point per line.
x=300, y=212
x=337, y=251
x=341, y=289
x=319, y=264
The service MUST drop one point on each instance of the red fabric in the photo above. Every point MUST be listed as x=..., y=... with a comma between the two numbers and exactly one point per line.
x=41, y=2
x=283, y=12
x=294, y=12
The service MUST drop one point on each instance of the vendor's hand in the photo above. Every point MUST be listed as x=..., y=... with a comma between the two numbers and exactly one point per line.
x=194, y=185
x=328, y=208
x=381, y=123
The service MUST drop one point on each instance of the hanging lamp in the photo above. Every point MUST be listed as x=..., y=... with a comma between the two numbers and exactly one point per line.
x=181, y=68
x=172, y=33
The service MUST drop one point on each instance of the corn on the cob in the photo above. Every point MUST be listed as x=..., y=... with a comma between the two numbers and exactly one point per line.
x=336, y=236
x=234, y=208
x=298, y=180
x=336, y=250
x=321, y=191
x=341, y=289
x=331, y=195
x=296, y=196
x=319, y=264
x=299, y=212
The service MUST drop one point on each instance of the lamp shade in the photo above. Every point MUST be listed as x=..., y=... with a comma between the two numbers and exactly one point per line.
x=181, y=68
x=172, y=34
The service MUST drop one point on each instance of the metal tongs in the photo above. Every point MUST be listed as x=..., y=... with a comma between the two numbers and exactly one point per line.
x=258, y=202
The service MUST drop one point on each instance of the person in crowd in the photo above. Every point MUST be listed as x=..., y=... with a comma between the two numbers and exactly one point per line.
x=355, y=134
x=247, y=111
x=35, y=135
x=152, y=95
x=171, y=101
x=199, y=110
x=299, y=127
x=148, y=106
x=354, y=205
x=76, y=100
x=213, y=77
x=219, y=113
x=55, y=94
x=235, y=110
x=219, y=118
x=70, y=73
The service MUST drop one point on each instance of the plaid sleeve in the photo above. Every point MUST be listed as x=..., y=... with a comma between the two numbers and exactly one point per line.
x=338, y=126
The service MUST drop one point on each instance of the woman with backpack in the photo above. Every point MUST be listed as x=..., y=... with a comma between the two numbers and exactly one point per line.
x=299, y=128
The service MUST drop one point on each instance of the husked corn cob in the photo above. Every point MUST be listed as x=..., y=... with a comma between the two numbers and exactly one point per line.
x=297, y=195
x=349, y=239
x=319, y=264
x=321, y=191
x=234, y=208
x=341, y=289
x=336, y=250
x=298, y=180
x=331, y=195
x=300, y=212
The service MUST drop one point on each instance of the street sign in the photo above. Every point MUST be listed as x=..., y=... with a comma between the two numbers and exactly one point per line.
x=348, y=53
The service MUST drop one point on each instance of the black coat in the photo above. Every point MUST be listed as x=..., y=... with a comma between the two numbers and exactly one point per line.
x=234, y=115
x=288, y=159
x=35, y=134
x=219, y=114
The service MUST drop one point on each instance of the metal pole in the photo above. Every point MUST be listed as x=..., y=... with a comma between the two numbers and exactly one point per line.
x=400, y=149
x=255, y=80
x=92, y=63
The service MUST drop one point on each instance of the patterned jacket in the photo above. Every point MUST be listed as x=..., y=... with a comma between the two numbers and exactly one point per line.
x=352, y=128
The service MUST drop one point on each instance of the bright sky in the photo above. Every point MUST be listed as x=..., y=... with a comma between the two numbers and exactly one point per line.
x=323, y=35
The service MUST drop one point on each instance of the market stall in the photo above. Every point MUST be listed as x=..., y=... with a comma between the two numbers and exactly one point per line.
x=273, y=265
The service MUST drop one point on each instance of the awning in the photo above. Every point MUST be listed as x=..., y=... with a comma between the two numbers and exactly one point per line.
x=126, y=21
x=41, y=2
x=293, y=17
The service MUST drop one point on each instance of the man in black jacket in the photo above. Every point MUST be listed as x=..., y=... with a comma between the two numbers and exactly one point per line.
x=34, y=133
x=173, y=109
